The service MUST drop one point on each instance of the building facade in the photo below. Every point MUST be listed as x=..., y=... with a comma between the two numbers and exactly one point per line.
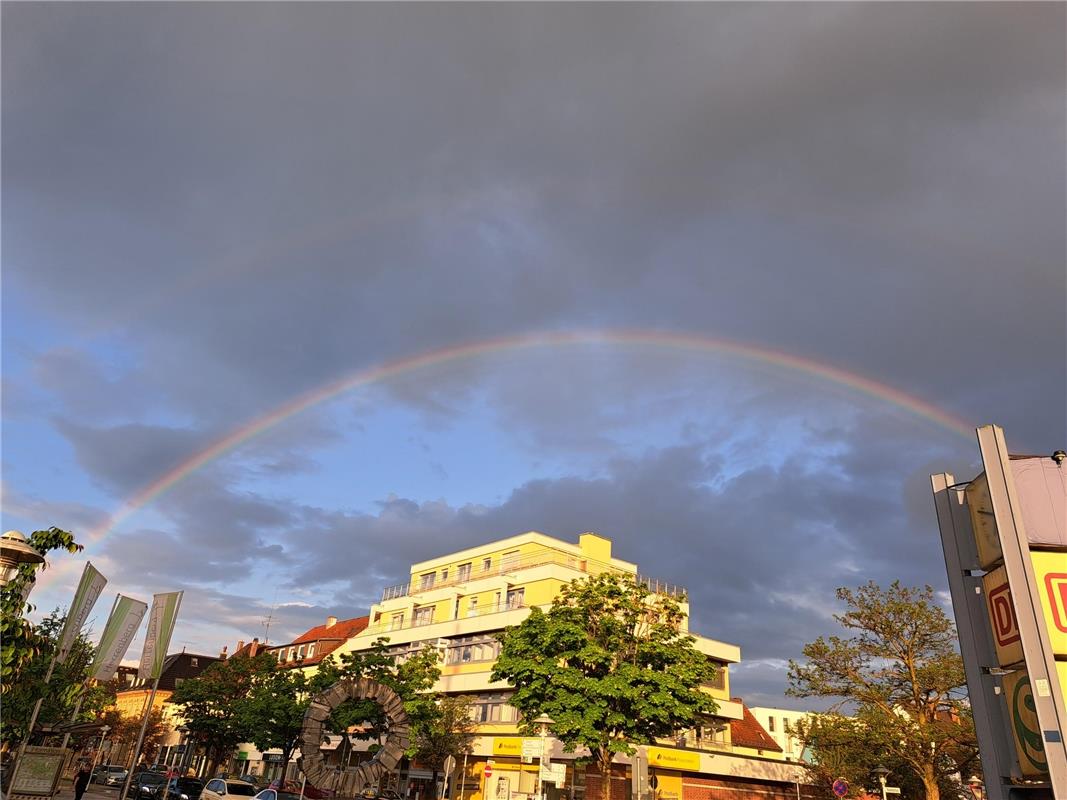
x=781, y=725
x=459, y=602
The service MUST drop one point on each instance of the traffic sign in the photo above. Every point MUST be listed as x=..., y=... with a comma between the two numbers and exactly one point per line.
x=840, y=787
x=488, y=768
x=449, y=765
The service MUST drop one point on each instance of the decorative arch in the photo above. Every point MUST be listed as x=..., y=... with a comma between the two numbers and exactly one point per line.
x=350, y=782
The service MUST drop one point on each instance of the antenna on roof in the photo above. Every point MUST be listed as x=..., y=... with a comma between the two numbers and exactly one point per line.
x=270, y=616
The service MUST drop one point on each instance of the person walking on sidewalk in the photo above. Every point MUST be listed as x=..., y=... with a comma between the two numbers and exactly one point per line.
x=81, y=780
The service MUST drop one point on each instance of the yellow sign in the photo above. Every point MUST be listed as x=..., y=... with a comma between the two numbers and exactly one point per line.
x=666, y=758
x=1025, y=730
x=507, y=746
x=1050, y=570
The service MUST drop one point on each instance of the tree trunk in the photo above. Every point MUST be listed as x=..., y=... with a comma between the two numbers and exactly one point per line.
x=603, y=762
x=287, y=753
x=929, y=776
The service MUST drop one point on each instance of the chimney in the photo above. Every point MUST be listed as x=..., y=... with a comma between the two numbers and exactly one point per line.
x=331, y=621
x=222, y=655
x=240, y=644
x=254, y=646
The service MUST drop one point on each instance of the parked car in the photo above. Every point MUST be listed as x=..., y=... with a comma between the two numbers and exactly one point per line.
x=146, y=783
x=255, y=780
x=180, y=789
x=274, y=794
x=219, y=788
x=116, y=778
x=101, y=773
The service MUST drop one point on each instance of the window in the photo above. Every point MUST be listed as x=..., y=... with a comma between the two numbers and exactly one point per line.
x=770, y=724
x=444, y=575
x=486, y=564
x=301, y=651
x=510, y=560
x=292, y=653
x=427, y=580
x=178, y=682
x=515, y=597
x=472, y=650
x=311, y=650
x=194, y=662
x=281, y=656
x=397, y=622
x=424, y=615
x=472, y=607
x=463, y=572
x=493, y=708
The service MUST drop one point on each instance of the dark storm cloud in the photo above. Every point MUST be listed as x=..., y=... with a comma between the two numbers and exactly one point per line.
x=228, y=205
x=257, y=188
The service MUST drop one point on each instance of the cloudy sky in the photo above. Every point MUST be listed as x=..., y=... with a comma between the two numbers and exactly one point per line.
x=851, y=215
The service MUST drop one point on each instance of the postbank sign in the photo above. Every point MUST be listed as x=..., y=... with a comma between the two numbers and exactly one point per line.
x=666, y=758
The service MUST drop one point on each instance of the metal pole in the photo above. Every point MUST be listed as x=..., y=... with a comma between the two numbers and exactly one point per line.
x=74, y=717
x=881, y=780
x=541, y=765
x=463, y=785
x=140, y=741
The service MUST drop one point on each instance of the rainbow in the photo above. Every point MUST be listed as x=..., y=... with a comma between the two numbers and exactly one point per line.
x=444, y=355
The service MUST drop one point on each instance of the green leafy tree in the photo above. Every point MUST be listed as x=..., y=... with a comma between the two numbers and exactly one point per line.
x=273, y=710
x=19, y=643
x=450, y=733
x=899, y=669
x=124, y=731
x=412, y=678
x=610, y=665
x=214, y=705
x=62, y=692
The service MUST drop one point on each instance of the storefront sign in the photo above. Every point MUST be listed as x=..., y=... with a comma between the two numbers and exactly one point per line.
x=1050, y=570
x=667, y=758
x=1002, y=619
x=507, y=746
x=1025, y=730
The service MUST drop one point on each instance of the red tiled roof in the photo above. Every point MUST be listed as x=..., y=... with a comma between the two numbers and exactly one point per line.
x=747, y=732
x=342, y=629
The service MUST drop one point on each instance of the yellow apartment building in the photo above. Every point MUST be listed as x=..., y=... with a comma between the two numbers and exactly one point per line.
x=459, y=602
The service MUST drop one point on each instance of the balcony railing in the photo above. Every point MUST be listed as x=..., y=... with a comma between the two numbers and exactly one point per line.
x=507, y=566
x=385, y=628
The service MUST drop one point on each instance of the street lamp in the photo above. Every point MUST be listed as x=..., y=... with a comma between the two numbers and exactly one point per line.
x=881, y=772
x=543, y=722
x=14, y=551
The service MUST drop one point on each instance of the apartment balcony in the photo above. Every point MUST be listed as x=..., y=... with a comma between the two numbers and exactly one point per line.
x=510, y=566
x=385, y=628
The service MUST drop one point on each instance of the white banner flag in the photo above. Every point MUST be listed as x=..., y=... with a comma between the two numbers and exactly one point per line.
x=89, y=588
x=122, y=625
x=160, y=627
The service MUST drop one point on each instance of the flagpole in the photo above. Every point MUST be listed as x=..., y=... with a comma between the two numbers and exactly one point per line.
x=140, y=741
